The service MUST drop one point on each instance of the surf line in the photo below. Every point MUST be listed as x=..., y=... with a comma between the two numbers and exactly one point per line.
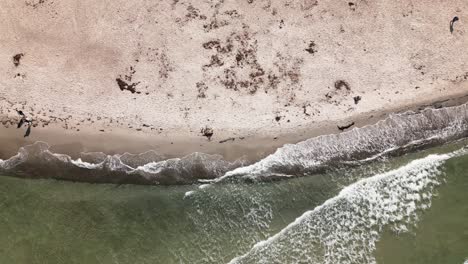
x=419, y=169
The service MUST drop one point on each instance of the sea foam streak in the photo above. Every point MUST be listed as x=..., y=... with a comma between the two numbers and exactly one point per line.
x=345, y=228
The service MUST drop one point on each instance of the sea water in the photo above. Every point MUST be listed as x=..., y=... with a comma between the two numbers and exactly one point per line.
x=408, y=209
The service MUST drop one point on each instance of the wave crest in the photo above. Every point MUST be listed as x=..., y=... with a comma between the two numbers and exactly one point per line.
x=346, y=228
x=37, y=161
x=396, y=134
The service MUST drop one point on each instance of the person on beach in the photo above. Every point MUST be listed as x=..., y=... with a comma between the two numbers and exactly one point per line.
x=28, y=130
x=24, y=120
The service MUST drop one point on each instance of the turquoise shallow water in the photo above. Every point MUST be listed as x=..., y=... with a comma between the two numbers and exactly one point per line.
x=410, y=209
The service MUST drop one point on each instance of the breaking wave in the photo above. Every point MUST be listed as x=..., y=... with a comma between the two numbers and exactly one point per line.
x=37, y=161
x=345, y=228
x=397, y=134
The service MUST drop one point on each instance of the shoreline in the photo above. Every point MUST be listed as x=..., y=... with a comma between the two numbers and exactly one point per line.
x=250, y=148
x=396, y=135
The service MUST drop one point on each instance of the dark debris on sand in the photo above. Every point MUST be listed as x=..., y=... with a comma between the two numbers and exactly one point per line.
x=342, y=128
x=17, y=59
x=312, y=48
x=207, y=132
x=342, y=84
x=357, y=99
x=226, y=140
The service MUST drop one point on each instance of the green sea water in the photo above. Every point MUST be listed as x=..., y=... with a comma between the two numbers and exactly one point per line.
x=442, y=235
x=413, y=210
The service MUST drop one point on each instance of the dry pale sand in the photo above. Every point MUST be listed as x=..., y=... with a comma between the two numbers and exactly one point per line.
x=135, y=75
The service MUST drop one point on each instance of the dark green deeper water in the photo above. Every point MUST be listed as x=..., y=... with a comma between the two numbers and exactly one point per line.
x=47, y=221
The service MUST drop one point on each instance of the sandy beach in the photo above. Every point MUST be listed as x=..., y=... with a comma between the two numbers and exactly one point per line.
x=250, y=148
x=236, y=78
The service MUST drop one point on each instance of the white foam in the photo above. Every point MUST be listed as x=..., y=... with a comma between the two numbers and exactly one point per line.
x=157, y=167
x=86, y=165
x=205, y=180
x=204, y=186
x=189, y=193
x=13, y=161
x=397, y=131
x=183, y=170
x=345, y=228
